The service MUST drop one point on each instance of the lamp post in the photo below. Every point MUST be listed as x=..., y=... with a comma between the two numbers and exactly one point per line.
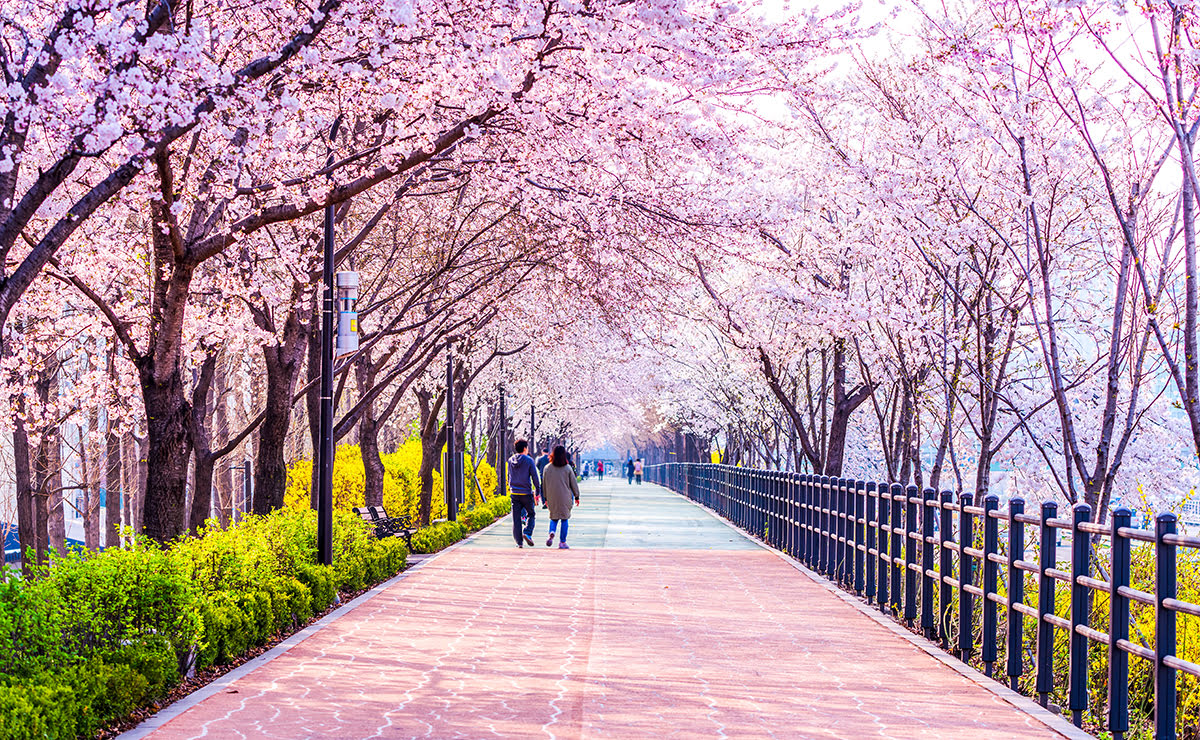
x=450, y=466
x=501, y=449
x=325, y=453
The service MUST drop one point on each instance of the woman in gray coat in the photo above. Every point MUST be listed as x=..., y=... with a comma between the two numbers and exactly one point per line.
x=561, y=493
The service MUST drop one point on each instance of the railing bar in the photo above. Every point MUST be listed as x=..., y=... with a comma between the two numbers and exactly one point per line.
x=1140, y=535
x=1141, y=596
x=1095, y=583
x=1181, y=540
x=1182, y=606
x=1134, y=649
x=1058, y=621
x=1180, y=664
x=1026, y=609
x=1059, y=575
x=1093, y=528
x=1093, y=634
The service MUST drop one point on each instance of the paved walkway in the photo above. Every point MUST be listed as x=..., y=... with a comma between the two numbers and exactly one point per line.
x=661, y=622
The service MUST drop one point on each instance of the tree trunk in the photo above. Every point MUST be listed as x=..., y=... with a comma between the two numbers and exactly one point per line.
x=368, y=443
x=283, y=365
x=169, y=442
x=26, y=497
x=432, y=439
x=202, y=483
x=114, y=491
x=223, y=476
x=91, y=483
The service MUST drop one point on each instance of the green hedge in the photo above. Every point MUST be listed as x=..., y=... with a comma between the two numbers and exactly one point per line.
x=99, y=634
x=443, y=534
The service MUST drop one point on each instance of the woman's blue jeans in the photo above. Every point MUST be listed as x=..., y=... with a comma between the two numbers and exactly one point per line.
x=562, y=537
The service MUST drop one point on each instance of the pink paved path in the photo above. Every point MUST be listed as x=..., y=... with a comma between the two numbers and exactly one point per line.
x=488, y=641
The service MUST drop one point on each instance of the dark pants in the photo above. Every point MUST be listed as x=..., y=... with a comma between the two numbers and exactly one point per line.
x=631, y=477
x=522, y=506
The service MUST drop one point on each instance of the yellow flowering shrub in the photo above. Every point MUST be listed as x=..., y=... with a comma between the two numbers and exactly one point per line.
x=401, y=484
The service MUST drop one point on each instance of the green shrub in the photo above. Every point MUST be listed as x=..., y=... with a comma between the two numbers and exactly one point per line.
x=437, y=536
x=319, y=581
x=98, y=634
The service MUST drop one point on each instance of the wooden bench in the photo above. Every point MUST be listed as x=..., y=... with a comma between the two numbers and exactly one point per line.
x=387, y=526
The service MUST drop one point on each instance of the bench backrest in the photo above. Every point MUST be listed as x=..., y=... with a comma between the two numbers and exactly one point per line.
x=378, y=512
x=365, y=512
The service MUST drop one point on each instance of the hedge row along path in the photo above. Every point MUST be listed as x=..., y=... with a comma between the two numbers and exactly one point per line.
x=660, y=622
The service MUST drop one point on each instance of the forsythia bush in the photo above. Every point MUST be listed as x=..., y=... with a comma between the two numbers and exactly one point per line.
x=401, y=485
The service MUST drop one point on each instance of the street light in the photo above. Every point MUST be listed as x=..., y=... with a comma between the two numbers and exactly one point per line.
x=450, y=466
x=325, y=454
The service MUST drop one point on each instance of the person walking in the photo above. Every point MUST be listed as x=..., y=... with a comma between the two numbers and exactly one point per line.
x=542, y=462
x=600, y=469
x=561, y=492
x=629, y=470
x=638, y=468
x=524, y=483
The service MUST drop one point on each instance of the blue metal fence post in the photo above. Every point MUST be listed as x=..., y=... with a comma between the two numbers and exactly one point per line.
x=945, y=564
x=1164, y=627
x=871, y=539
x=1118, y=630
x=1016, y=592
x=860, y=526
x=823, y=525
x=885, y=569
x=991, y=576
x=966, y=577
x=910, y=554
x=1045, y=630
x=895, y=567
x=928, y=566
x=1077, y=699
x=805, y=553
x=840, y=531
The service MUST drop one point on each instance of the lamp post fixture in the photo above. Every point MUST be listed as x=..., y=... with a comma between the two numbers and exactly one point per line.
x=325, y=453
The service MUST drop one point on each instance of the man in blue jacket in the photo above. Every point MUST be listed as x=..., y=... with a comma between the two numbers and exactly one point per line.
x=523, y=482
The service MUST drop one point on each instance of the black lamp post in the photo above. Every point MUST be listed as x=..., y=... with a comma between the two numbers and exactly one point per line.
x=325, y=453
x=450, y=466
x=502, y=449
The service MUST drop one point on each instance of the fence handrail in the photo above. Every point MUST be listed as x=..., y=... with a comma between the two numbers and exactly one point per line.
x=892, y=544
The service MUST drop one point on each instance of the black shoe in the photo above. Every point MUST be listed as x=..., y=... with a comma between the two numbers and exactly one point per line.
x=520, y=544
x=528, y=540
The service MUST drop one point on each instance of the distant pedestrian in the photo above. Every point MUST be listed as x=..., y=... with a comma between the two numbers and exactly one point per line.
x=561, y=491
x=638, y=468
x=629, y=470
x=542, y=462
x=600, y=469
x=524, y=482
x=587, y=468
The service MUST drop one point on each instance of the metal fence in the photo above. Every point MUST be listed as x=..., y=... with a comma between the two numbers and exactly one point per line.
x=926, y=558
